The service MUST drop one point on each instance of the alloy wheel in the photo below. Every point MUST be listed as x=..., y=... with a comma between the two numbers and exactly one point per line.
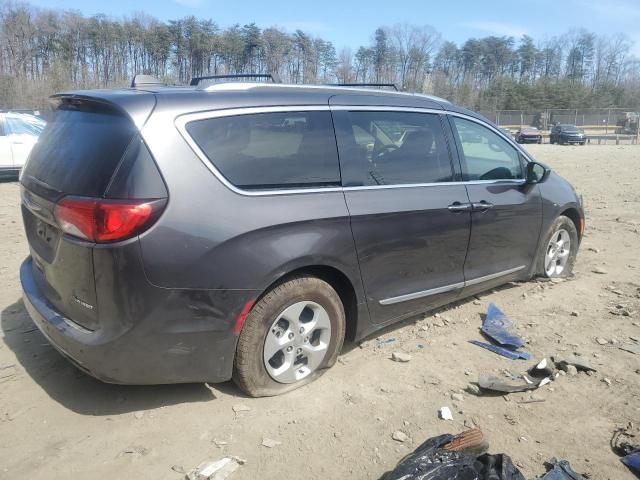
x=558, y=251
x=297, y=342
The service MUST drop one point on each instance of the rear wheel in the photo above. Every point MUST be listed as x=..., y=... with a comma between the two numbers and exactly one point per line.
x=560, y=248
x=291, y=336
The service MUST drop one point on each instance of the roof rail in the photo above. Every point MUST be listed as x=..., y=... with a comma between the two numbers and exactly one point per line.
x=145, y=81
x=240, y=76
x=366, y=85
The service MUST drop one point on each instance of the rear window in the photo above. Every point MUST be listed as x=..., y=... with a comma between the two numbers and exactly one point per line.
x=79, y=149
x=271, y=150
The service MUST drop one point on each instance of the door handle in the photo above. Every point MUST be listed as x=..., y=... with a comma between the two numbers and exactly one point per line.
x=457, y=207
x=481, y=206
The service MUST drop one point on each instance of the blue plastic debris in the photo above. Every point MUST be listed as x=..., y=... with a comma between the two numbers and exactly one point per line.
x=632, y=461
x=505, y=352
x=561, y=470
x=496, y=325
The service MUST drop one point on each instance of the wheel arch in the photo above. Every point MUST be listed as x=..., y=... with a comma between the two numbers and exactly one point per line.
x=338, y=280
x=573, y=215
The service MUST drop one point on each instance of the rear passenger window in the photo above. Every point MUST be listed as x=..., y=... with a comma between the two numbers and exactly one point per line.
x=392, y=148
x=486, y=155
x=271, y=150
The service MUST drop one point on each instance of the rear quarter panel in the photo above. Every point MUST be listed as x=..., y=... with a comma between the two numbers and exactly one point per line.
x=210, y=237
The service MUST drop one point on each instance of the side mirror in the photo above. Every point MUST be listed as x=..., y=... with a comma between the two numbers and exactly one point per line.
x=536, y=173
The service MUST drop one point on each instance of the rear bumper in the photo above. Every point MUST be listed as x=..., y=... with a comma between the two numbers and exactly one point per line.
x=156, y=350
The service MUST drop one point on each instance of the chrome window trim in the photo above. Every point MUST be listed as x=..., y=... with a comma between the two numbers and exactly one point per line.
x=181, y=122
x=441, y=184
x=449, y=288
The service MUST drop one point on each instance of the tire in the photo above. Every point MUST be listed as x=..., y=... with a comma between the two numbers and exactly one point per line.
x=266, y=318
x=551, y=140
x=561, y=224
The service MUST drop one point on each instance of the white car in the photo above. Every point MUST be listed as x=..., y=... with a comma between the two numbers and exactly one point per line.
x=18, y=134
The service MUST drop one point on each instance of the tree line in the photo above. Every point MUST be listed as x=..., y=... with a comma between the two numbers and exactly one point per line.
x=44, y=50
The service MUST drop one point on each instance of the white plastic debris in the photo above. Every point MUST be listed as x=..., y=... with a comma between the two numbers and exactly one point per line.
x=544, y=381
x=270, y=442
x=240, y=408
x=400, y=357
x=399, y=436
x=445, y=413
x=216, y=470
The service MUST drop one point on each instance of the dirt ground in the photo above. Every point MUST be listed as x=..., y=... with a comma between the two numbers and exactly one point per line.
x=56, y=422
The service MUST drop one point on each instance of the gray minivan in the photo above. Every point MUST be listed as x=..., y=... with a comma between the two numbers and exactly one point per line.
x=244, y=230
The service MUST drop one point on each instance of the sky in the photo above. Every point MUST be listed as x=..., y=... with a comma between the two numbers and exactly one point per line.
x=351, y=23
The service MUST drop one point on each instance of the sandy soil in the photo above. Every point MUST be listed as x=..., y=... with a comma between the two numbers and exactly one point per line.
x=56, y=422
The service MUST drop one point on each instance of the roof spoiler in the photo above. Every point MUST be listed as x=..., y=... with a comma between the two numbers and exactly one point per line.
x=366, y=85
x=145, y=81
x=237, y=76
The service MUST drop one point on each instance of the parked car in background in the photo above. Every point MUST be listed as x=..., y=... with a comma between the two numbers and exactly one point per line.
x=528, y=135
x=245, y=230
x=567, y=134
x=507, y=132
x=18, y=134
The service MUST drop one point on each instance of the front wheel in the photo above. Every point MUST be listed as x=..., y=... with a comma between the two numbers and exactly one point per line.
x=290, y=337
x=560, y=248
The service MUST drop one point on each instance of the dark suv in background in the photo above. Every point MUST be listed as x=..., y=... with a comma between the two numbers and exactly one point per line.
x=567, y=134
x=245, y=230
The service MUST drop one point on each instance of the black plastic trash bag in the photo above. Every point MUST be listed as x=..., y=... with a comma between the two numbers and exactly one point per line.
x=432, y=462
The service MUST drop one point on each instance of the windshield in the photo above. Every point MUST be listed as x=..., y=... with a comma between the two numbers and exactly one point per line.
x=570, y=129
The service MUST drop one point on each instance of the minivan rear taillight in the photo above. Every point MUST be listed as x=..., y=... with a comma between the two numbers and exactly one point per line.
x=100, y=220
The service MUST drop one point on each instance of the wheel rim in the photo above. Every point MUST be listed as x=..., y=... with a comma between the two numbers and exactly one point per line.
x=558, y=250
x=297, y=342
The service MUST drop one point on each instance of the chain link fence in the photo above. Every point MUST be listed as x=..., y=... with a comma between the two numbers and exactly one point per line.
x=595, y=120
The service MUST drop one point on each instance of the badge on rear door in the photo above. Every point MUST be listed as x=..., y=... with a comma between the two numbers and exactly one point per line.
x=81, y=302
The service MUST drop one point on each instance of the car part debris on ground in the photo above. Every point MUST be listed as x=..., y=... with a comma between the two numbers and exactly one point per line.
x=463, y=457
x=216, y=470
x=629, y=452
x=536, y=377
x=561, y=470
x=498, y=328
x=505, y=352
